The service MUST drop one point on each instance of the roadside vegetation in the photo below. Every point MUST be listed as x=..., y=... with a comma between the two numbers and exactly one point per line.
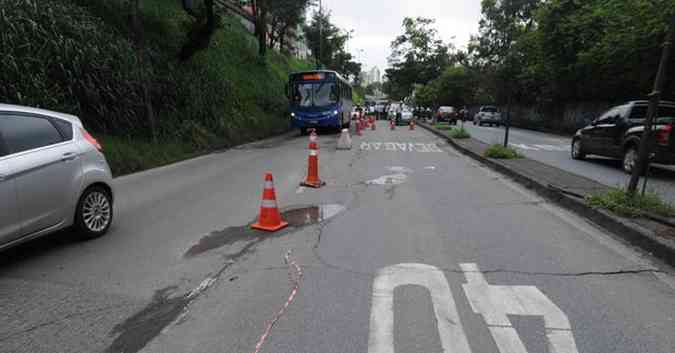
x=620, y=202
x=443, y=126
x=154, y=81
x=498, y=151
x=537, y=55
x=459, y=133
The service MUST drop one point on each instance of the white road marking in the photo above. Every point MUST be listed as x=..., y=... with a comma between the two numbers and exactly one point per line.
x=400, y=146
x=523, y=147
x=391, y=179
x=422, y=147
x=495, y=303
x=450, y=330
x=434, y=148
x=300, y=190
x=431, y=167
x=397, y=169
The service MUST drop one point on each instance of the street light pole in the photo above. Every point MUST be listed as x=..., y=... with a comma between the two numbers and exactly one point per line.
x=654, y=100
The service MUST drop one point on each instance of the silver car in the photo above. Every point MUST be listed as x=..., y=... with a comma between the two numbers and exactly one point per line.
x=52, y=176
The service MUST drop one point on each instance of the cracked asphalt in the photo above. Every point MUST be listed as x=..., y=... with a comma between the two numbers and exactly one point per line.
x=181, y=272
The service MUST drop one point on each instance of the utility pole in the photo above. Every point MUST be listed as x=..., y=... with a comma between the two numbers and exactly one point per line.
x=507, y=83
x=654, y=100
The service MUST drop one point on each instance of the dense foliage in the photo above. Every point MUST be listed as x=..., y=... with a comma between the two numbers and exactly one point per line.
x=328, y=44
x=80, y=57
x=541, y=54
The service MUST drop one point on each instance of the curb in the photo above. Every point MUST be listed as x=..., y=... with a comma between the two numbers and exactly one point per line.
x=633, y=233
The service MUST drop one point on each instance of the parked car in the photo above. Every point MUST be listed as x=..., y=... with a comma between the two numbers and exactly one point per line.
x=617, y=134
x=488, y=115
x=405, y=116
x=53, y=175
x=447, y=114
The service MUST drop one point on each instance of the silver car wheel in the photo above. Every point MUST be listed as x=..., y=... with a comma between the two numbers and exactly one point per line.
x=96, y=211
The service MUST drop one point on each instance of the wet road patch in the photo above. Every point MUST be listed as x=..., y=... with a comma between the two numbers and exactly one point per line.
x=297, y=217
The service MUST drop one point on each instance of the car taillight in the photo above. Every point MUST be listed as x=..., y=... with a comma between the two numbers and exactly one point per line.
x=91, y=140
x=663, y=135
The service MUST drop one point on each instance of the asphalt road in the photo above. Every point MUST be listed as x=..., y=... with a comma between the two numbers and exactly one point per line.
x=555, y=150
x=410, y=247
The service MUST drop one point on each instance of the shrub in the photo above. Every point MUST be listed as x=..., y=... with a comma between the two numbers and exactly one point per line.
x=459, y=133
x=500, y=152
x=618, y=201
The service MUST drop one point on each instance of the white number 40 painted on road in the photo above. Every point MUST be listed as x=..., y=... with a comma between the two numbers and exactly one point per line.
x=494, y=303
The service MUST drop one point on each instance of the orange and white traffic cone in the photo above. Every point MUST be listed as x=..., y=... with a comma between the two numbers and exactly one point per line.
x=412, y=124
x=270, y=218
x=313, y=137
x=392, y=125
x=313, y=180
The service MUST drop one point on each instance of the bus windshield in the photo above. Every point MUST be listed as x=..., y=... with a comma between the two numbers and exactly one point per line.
x=318, y=94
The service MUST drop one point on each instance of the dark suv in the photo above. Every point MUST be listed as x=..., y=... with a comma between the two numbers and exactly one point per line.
x=617, y=133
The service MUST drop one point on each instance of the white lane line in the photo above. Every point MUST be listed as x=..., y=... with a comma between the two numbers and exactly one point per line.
x=450, y=329
x=523, y=147
x=495, y=303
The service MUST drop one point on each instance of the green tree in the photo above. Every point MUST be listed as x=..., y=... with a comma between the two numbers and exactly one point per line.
x=328, y=45
x=286, y=15
x=418, y=56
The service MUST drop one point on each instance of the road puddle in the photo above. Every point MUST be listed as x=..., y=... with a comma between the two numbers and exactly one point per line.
x=297, y=217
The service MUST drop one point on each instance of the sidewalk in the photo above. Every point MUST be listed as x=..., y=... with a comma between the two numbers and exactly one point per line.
x=569, y=190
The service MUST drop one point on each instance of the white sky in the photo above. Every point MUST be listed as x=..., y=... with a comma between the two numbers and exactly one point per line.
x=378, y=22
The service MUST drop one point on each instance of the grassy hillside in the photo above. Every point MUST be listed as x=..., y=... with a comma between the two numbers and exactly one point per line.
x=78, y=56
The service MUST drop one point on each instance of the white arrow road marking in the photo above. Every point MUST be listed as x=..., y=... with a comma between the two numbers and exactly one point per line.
x=494, y=303
x=450, y=330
